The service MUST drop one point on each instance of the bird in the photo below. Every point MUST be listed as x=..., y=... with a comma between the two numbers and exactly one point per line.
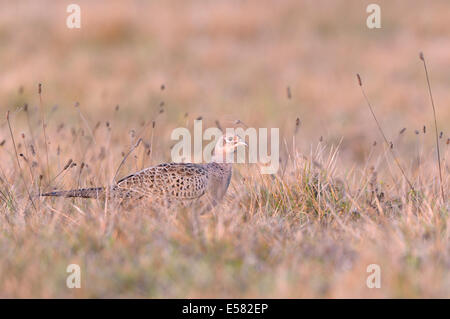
x=171, y=184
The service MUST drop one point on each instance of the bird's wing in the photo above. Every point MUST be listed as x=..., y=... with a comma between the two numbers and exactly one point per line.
x=179, y=181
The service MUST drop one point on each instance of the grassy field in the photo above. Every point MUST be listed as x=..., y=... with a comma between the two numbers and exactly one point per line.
x=139, y=70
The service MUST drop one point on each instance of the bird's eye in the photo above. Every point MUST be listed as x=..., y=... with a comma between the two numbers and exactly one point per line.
x=229, y=139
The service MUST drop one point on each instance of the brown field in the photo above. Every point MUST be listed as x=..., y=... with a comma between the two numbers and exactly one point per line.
x=338, y=203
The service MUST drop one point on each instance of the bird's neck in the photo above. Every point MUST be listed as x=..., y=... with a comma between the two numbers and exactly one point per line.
x=220, y=157
x=225, y=167
x=222, y=165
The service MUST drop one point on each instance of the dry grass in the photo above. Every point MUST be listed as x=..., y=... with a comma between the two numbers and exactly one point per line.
x=338, y=203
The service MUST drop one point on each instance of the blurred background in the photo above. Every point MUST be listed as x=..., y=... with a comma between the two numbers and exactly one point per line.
x=228, y=60
x=142, y=68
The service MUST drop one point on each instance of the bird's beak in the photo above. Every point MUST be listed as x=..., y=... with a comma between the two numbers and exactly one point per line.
x=241, y=143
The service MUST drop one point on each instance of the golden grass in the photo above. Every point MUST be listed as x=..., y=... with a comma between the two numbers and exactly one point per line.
x=337, y=204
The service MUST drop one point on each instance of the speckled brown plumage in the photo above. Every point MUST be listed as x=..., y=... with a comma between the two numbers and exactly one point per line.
x=169, y=184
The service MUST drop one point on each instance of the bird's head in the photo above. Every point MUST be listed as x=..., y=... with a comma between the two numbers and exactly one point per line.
x=227, y=144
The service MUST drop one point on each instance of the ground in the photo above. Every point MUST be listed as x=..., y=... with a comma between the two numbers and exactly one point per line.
x=338, y=204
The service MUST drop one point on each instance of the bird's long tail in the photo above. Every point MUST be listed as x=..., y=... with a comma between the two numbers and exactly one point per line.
x=94, y=192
